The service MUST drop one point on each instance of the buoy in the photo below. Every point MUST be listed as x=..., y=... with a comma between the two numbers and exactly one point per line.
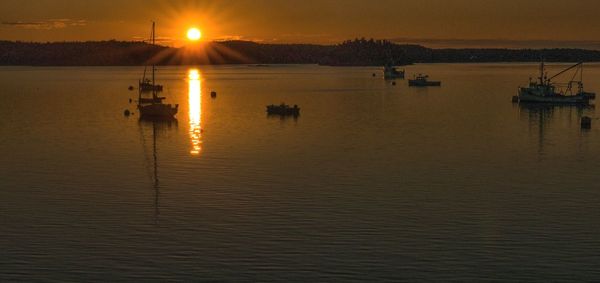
x=586, y=122
x=131, y=87
x=374, y=75
x=515, y=99
x=126, y=112
x=393, y=83
x=213, y=94
x=130, y=100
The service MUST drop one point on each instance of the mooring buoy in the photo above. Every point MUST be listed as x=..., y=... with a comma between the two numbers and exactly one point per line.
x=586, y=122
x=213, y=94
x=126, y=112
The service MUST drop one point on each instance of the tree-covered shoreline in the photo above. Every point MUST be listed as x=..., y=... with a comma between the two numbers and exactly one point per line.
x=358, y=52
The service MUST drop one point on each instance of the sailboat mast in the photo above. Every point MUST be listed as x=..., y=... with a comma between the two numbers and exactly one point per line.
x=153, y=43
x=153, y=66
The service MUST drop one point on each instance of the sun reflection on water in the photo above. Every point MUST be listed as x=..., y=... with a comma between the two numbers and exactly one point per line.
x=195, y=106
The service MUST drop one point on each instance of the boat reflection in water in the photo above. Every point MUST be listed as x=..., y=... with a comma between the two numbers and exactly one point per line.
x=150, y=129
x=542, y=117
x=195, y=106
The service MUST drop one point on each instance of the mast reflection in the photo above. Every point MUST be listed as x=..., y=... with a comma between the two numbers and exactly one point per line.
x=159, y=126
x=195, y=106
x=541, y=117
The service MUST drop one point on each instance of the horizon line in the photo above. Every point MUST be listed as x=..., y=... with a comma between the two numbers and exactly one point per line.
x=431, y=43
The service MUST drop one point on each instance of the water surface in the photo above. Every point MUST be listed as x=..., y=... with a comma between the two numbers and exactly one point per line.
x=372, y=182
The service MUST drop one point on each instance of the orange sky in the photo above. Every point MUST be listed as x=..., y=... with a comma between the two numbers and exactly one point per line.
x=451, y=22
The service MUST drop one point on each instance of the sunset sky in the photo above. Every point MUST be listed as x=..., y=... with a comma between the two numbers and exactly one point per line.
x=434, y=22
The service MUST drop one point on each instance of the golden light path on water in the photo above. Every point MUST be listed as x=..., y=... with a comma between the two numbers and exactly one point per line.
x=195, y=106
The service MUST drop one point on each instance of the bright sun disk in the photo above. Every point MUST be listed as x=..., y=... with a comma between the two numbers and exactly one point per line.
x=194, y=34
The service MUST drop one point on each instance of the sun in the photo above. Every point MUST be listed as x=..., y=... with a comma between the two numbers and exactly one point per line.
x=194, y=34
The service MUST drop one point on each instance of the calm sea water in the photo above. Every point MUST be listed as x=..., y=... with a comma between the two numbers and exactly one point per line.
x=372, y=182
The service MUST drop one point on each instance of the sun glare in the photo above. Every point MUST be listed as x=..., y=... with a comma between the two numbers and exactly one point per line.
x=194, y=34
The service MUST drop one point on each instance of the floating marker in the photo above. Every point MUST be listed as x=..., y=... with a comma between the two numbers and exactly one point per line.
x=126, y=112
x=586, y=122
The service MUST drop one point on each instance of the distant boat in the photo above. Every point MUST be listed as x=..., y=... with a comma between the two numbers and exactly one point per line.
x=390, y=73
x=423, y=80
x=283, y=110
x=545, y=91
x=153, y=107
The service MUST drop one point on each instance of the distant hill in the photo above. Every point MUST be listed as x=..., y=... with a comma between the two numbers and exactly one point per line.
x=359, y=52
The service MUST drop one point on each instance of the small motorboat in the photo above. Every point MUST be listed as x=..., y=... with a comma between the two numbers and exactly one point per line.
x=283, y=110
x=423, y=80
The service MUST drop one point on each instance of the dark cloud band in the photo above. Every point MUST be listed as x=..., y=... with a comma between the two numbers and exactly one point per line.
x=46, y=24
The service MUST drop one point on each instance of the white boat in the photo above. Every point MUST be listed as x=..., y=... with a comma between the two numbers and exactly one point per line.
x=544, y=90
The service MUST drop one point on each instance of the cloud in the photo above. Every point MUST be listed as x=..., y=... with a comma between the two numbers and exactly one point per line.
x=47, y=24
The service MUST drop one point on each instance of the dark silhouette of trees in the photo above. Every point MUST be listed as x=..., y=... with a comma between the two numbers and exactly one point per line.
x=357, y=52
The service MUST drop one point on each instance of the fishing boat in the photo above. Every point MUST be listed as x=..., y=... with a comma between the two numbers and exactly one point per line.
x=153, y=107
x=283, y=110
x=421, y=80
x=390, y=73
x=544, y=90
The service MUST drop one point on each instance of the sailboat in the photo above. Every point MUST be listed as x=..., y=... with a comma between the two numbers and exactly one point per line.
x=145, y=84
x=153, y=107
x=390, y=72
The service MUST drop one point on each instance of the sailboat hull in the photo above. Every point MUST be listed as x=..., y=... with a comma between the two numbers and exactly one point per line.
x=158, y=110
